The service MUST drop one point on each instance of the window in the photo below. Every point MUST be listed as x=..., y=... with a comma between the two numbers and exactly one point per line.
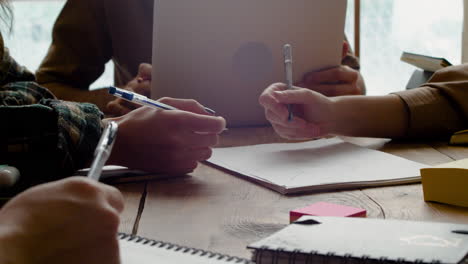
x=31, y=35
x=389, y=27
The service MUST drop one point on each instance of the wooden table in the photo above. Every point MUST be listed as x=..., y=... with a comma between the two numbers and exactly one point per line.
x=216, y=211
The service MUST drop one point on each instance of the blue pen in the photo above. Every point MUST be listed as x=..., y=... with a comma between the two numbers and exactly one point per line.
x=143, y=100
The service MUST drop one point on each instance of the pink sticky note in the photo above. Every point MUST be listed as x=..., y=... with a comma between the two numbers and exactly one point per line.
x=326, y=209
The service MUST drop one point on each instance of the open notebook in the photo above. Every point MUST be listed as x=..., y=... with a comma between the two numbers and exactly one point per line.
x=319, y=165
x=137, y=250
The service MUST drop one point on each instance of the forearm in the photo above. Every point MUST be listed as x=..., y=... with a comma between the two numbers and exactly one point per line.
x=370, y=116
x=64, y=92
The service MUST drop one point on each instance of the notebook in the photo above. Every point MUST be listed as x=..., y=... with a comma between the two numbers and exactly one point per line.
x=426, y=63
x=318, y=165
x=113, y=174
x=137, y=250
x=360, y=240
x=224, y=53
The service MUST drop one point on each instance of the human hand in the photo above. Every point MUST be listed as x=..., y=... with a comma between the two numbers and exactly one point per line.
x=166, y=141
x=69, y=221
x=312, y=112
x=141, y=84
x=337, y=81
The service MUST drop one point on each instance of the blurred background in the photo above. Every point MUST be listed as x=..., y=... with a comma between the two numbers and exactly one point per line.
x=388, y=27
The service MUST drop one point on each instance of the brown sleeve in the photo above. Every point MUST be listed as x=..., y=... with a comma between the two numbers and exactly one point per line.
x=440, y=107
x=80, y=46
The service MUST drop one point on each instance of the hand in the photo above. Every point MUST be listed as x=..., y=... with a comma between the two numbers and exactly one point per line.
x=166, y=141
x=141, y=84
x=337, y=81
x=312, y=112
x=69, y=221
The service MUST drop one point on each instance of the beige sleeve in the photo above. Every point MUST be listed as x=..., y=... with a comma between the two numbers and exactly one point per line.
x=440, y=107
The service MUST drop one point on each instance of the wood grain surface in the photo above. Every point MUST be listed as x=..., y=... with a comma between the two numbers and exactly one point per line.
x=216, y=211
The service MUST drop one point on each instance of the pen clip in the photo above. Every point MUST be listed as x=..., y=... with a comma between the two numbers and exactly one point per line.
x=103, y=150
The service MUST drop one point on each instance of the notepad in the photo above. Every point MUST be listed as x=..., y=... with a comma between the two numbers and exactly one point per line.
x=446, y=183
x=314, y=239
x=319, y=165
x=138, y=250
x=118, y=174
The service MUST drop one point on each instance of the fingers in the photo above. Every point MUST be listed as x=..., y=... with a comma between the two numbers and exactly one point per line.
x=337, y=89
x=189, y=105
x=142, y=87
x=202, y=123
x=193, y=122
x=120, y=107
x=333, y=75
x=89, y=189
x=274, y=119
x=273, y=109
x=113, y=196
x=197, y=140
x=296, y=96
x=345, y=49
x=144, y=71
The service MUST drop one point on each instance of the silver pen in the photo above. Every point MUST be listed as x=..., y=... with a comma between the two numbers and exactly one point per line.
x=287, y=53
x=103, y=150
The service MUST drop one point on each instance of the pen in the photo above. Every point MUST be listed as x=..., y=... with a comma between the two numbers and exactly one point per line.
x=287, y=53
x=103, y=150
x=143, y=100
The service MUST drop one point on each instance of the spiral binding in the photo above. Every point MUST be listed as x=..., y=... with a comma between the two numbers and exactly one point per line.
x=182, y=249
x=265, y=255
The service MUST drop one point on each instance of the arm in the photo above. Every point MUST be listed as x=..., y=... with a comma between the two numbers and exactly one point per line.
x=435, y=110
x=76, y=58
x=316, y=115
x=68, y=221
x=45, y=138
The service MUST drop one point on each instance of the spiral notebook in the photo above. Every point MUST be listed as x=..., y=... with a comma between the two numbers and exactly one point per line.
x=360, y=240
x=138, y=250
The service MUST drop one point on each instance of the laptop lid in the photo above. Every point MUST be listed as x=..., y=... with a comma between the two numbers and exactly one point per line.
x=224, y=53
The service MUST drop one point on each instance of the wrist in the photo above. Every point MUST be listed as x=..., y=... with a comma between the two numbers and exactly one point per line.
x=345, y=116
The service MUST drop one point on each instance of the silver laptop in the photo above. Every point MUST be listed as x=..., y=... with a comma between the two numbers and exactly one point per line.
x=224, y=53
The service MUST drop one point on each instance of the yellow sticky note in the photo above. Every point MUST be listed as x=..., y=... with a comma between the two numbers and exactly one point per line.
x=446, y=183
x=459, y=138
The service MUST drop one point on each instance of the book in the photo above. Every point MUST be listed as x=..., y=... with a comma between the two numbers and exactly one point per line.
x=314, y=239
x=318, y=165
x=427, y=66
x=138, y=250
x=426, y=63
x=446, y=183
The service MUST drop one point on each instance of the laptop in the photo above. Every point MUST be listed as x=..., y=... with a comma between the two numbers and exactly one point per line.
x=224, y=53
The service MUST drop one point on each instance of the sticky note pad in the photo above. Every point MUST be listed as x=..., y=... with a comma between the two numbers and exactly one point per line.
x=326, y=209
x=446, y=183
x=459, y=138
